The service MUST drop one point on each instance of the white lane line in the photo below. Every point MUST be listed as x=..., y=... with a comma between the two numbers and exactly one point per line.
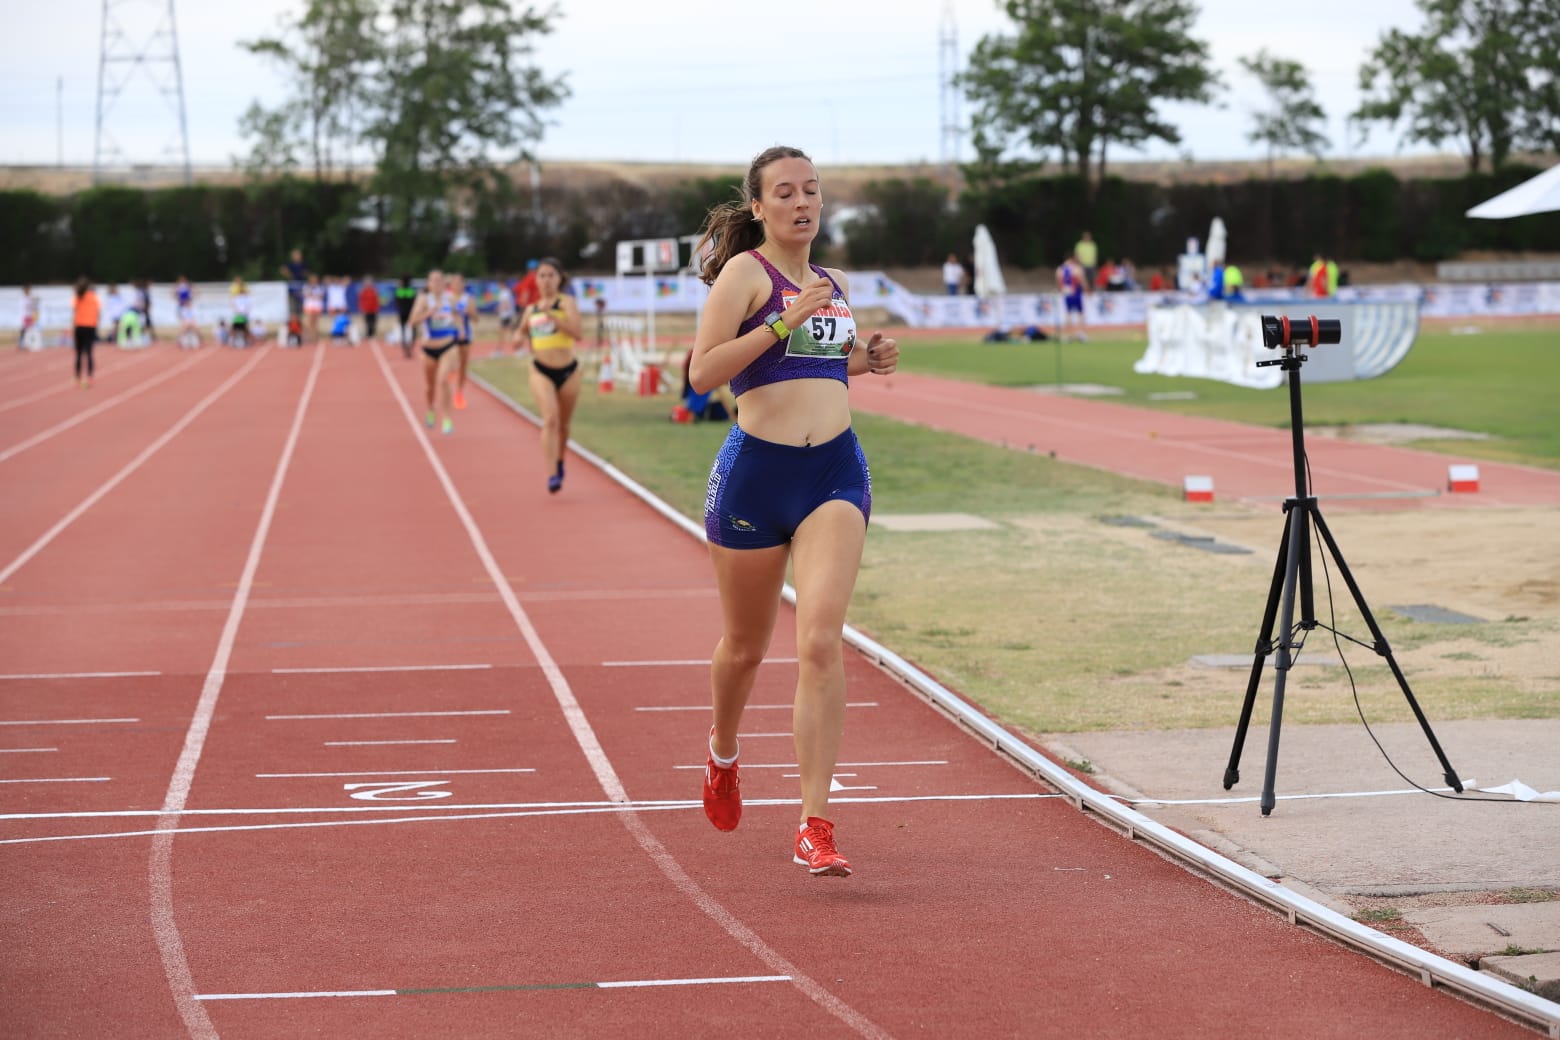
x=625, y=811
x=750, y=707
x=837, y=765
x=392, y=772
x=60, y=722
x=165, y=929
x=81, y=417
x=756, y=736
x=394, y=714
x=62, y=780
x=130, y=467
x=383, y=668
x=705, y=661
x=606, y=776
x=382, y=743
x=78, y=675
x=64, y=387
x=536, y=987
x=25, y=750
x=299, y=995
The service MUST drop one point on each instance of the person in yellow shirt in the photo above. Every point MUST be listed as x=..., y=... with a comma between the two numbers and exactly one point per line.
x=1088, y=253
x=551, y=326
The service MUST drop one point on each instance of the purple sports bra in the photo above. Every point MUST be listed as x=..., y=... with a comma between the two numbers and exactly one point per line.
x=773, y=366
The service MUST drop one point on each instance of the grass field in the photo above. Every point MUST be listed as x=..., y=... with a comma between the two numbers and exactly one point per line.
x=1058, y=621
x=1500, y=382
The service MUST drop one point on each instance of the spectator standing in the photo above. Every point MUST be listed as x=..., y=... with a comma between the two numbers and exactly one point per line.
x=86, y=328
x=526, y=291
x=952, y=274
x=368, y=304
x=405, y=301
x=313, y=306
x=1087, y=253
x=113, y=308
x=297, y=274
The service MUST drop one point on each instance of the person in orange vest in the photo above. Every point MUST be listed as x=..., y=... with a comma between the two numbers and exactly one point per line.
x=87, y=312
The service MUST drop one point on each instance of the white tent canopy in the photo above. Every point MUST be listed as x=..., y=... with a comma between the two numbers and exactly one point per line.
x=1539, y=194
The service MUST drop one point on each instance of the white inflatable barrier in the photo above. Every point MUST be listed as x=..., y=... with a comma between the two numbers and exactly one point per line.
x=1224, y=341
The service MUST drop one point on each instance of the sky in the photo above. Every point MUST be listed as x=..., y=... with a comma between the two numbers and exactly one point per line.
x=850, y=81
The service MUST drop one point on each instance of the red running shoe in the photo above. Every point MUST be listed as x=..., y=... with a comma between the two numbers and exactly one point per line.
x=815, y=849
x=722, y=796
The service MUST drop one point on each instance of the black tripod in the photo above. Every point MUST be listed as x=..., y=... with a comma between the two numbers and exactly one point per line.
x=1292, y=573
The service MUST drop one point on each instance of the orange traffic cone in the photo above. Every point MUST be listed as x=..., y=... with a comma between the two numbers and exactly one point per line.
x=604, y=384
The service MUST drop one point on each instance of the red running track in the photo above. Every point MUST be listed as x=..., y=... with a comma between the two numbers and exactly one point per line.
x=1245, y=462
x=413, y=751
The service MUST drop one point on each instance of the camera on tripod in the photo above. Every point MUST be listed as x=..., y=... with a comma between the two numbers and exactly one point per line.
x=1285, y=333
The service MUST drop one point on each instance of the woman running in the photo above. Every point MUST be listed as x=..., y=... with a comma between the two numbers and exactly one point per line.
x=87, y=313
x=790, y=484
x=551, y=325
x=438, y=326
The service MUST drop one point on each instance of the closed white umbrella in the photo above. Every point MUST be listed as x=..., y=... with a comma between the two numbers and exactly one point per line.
x=1539, y=194
x=988, y=272
x=1217, y=237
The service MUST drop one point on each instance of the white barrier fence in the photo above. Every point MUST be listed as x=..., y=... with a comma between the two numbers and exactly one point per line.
x=684, y=293
x=212, y=304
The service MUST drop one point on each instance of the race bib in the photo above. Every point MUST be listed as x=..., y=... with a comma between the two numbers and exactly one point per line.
x=542, y=324
x=830, y=333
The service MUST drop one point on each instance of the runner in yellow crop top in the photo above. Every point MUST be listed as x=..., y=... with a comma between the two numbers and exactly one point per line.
x=550, y=328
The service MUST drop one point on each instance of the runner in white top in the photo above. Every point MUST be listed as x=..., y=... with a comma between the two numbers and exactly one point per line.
x=336, y=295
x=31, y=336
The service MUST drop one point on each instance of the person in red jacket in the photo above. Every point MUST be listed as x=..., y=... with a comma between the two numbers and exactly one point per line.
x=368, y=303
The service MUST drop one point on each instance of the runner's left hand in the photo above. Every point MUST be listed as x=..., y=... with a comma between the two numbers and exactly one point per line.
x=882, y=354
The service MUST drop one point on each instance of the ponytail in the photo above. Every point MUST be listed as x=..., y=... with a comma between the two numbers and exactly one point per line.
x=731, y=227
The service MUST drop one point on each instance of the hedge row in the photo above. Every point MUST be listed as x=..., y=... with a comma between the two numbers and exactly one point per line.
x=211, y=233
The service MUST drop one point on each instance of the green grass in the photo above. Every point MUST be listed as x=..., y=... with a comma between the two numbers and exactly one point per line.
x=1499, y=382
x=1053, y=620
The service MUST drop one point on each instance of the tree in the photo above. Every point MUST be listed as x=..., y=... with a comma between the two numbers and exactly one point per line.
x=327, y=52
x=1294, y=121
x=1081, y=75
x=454, y=90
x=1481, y=72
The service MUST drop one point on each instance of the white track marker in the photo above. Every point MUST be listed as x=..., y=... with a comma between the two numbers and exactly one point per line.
x=382, y=743
x=394, y=714
x=62, y=780
x=383, y=668
x=165, y=929
x=130, y=467
x=81, y=417
x=25, y=750
x=750, y=707
x=691, y=661
x=80, y=675
x=606, y=776
x=61, y=722
x=392, y=772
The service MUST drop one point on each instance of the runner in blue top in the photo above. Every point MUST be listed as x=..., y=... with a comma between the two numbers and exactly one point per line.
x=1071, y=281
x=438, y=329
x=791, y=484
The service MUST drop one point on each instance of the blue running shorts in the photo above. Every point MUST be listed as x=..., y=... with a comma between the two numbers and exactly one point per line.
x=760, y=492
